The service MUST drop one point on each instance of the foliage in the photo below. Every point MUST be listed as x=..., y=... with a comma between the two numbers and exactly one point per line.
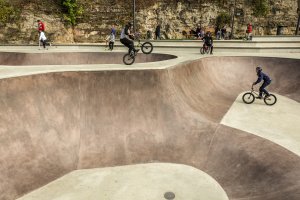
x=223, y=19
x=7, y=12
x=72, y=11
x=260, y=8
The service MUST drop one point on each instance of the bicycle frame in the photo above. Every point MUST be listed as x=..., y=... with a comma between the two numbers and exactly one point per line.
x=254, y=92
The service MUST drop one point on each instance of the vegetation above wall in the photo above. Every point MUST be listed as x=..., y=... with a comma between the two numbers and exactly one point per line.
x=72, y=10
x=260, y=8
x=90, y=20
x=8, y=13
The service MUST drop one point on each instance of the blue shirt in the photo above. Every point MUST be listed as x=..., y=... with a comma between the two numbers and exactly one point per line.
x=113, y=31
x=262, y=76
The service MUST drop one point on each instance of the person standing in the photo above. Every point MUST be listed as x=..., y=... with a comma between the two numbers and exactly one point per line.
x=249, y=31
x=157, y=32
x=111, y=43
x=113, y=30
x=223, y=32
x=198, y=31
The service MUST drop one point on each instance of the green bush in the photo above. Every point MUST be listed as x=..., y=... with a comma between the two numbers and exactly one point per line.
x=260, y=8
x=223, y=19
x=72, y=11
x=7, y=12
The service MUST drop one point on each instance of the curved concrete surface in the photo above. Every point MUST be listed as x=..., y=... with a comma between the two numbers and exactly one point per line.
x=75, y=58
x=52, y=124
x=146, y=181
x=260, y=119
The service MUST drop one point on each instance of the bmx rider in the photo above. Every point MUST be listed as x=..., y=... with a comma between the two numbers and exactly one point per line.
x=262, y=76
x=208, y=41
x=127, y=38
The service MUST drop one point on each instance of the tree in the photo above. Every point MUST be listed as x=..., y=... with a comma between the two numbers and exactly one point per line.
x=223, y=19
x=260, y=8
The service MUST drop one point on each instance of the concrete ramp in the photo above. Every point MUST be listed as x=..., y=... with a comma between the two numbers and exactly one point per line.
x=52, y=124
x=75, y=58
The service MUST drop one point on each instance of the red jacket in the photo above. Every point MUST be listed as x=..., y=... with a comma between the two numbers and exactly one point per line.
x=41, y=26
x=249, y=28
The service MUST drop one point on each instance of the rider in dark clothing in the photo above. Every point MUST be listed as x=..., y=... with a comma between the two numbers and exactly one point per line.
x=208, y=41
x=127, y=38
x=262, y=76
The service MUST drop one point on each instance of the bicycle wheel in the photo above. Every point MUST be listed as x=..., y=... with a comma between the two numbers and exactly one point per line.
x=128, y=59
x=207, y=50
x=147, y=47
x=248, y=98
x=270, y=100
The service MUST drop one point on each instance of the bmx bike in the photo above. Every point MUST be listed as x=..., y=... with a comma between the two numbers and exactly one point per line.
x=205, y=49
x=146, y=48
x=249, y=97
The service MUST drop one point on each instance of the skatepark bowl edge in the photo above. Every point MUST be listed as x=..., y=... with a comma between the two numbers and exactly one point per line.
x=54, y=123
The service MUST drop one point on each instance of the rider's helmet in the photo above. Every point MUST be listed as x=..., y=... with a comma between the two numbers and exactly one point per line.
x=258, y=69
x=129, y=24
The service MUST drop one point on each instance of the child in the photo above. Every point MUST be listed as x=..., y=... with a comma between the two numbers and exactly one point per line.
x=43, y=39
x=111, y=43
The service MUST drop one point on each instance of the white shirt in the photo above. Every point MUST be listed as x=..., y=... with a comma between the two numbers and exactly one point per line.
x=42, y=36
x=123, y=34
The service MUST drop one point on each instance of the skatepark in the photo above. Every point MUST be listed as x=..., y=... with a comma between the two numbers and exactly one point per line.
x=76, y=123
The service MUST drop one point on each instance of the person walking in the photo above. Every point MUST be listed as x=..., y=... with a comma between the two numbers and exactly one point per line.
x=157, y=32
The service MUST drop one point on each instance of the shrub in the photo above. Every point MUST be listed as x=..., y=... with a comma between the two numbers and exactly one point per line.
x=72, y=11
x=7, y=12
x=260, y=8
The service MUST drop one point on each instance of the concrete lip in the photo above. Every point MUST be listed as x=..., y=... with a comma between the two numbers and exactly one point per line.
x=75, y=58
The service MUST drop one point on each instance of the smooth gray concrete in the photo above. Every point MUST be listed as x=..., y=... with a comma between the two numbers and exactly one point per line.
x=56, y=119
x=134, y=182
x=278, y=123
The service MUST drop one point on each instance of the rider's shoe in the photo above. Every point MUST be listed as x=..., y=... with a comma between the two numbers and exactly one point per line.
x=259, y=97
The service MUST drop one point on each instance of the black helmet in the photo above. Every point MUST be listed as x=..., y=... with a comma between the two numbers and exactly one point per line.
x=258, y=69
x=129, y=24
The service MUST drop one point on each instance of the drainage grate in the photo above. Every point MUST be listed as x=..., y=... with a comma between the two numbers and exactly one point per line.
x=169, y=195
